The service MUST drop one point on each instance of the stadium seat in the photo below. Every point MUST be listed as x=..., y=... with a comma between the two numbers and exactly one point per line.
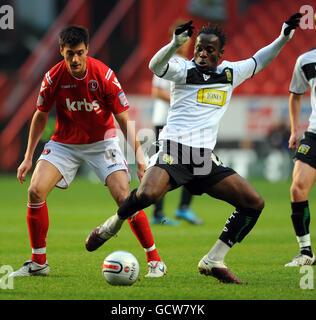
x=262, y=23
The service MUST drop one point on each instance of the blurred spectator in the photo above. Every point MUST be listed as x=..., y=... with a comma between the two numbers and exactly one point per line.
x=278, y=162
x=214, y=10
x=278, y=137
x=244, y=4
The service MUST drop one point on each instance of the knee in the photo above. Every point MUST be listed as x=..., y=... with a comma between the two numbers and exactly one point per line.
x=36, y=194
x=121, y=196
x=148, y=196
x=260, y=203
x=297, y=190
x=255, y=202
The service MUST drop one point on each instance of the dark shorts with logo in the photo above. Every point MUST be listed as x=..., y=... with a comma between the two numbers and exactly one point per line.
x=306, y=151
x=196, y=169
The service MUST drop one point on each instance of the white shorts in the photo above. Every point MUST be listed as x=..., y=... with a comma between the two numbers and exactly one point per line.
x=104, y=157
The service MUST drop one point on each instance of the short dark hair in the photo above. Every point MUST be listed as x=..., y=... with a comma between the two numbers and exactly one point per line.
x=216, y=30
x=73, y=35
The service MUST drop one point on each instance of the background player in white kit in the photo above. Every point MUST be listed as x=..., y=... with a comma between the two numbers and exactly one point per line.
x=200, y=94
x=161, y=93
x=86, y=94
x=304, y=171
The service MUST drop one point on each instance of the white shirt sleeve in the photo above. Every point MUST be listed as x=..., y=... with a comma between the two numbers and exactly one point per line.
x=176, y=71
x=242, y=70
x=299, y=83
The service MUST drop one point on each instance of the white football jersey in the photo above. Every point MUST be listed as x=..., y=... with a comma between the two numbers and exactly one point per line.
x=304, y=77
x=198, y=101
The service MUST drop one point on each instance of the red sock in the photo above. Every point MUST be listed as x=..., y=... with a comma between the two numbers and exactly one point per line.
x=140, y=226
x=37, y=221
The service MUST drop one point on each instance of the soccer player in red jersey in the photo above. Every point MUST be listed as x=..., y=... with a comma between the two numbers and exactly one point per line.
x=86, y=93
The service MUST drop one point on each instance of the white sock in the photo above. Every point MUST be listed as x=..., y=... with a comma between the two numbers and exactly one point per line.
x=304, y=241
x=219, y=251
x=112, y=225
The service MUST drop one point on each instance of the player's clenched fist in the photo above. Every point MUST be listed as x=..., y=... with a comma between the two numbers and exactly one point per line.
x=183, y=33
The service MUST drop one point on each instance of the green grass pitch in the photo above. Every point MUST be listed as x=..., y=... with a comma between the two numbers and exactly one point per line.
x=76, y=274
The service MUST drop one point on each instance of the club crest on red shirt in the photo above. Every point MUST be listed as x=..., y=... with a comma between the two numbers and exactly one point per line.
x=93, y=85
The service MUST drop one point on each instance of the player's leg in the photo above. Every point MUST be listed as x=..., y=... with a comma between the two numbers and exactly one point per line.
x=57, y=165
x=137, y=200
x=184, y=211
x=304, y=177
x=138, y=222
x=249, y=204
x=104, y=167
x=116, y=177
x=154, y=185
x=44, y=178
x=158, y=214
x=117, y=183
x=159, y=178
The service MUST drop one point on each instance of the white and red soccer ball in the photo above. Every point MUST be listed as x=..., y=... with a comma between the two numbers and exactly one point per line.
x=120, y=268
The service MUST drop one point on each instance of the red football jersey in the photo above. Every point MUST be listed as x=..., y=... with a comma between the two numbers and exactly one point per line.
x=84, y=106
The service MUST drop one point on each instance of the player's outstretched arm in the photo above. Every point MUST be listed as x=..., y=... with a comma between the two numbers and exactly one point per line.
x=294, y=111
x=36, y=130
x=159, y=62
x=265, y=55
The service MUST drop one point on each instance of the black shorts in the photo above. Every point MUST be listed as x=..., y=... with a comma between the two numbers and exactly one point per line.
x=196, y=169
x=306, y=151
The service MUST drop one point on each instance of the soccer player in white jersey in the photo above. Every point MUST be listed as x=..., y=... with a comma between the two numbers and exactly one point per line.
x=304, y=171
x=200, y=94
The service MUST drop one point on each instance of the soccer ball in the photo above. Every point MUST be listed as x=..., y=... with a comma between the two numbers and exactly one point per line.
x=120, y=268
